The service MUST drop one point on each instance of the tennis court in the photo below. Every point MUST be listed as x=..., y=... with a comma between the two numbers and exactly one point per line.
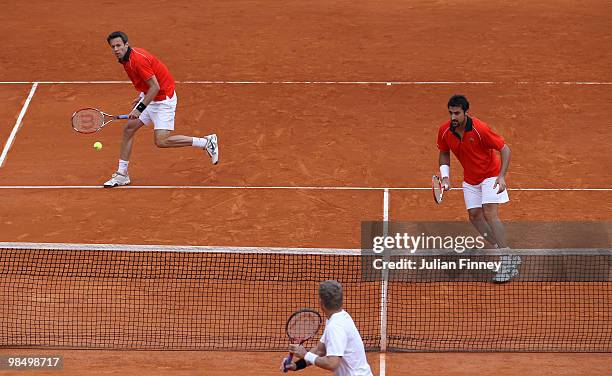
x=314, y=142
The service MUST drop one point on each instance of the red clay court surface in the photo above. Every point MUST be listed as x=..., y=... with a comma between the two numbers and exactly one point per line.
x=339, y=134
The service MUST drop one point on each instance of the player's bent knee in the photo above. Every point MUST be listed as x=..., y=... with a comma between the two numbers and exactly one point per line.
x=490, y=212
x=476, y=215
x=129, y=131
x=161, y=142
x=161, y=138
x=132, y=126
x=490, y=216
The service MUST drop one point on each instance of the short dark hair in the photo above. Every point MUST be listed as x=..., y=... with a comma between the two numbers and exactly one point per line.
x=117, y=34
x=330, y=293
x=459, y=100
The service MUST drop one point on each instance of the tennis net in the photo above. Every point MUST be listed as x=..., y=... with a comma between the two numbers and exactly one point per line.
x=206, y=298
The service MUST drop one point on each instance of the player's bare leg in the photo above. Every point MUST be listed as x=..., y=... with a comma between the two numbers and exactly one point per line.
x=121, y=177
x=163, y=139
x=129, y=131
x=479, y=221
x=509, y=263
x=209, y=144
x=495, y=224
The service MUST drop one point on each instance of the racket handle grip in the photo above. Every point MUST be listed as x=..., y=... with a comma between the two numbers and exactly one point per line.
x=122, y=116
x=287, y=362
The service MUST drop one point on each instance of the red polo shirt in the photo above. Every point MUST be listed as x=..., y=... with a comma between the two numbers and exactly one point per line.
x=140, y=66
x=475, y=152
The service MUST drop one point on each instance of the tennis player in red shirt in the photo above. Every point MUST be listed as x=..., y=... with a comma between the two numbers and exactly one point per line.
x=476, y=146
x=155, y=105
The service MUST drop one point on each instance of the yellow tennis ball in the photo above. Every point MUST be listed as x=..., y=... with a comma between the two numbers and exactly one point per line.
x=97, y=145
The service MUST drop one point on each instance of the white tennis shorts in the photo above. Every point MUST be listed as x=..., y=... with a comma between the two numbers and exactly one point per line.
x=484, y=193
x=160, y=113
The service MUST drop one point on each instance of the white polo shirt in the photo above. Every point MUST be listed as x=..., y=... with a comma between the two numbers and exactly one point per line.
x=341, y=338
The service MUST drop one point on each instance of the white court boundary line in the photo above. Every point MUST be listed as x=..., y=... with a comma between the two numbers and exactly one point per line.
x=13, y=134
x=384, y=288
x=386, y=207
x=391, y=82
x=321, y=188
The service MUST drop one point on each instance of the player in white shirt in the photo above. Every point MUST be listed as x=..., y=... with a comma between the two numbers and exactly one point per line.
x=340, y=349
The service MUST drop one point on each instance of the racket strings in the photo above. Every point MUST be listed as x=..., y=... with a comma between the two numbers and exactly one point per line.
x=303, y=326
x=87, y=120
x=437, y=189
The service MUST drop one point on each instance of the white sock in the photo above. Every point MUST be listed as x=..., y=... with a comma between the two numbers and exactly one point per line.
x=123, y=166
x=199, y=142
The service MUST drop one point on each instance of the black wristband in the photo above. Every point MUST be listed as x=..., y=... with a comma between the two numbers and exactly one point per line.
x=300, y=364
x=141, y=107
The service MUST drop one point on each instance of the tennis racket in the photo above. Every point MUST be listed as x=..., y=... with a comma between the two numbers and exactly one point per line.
x=437, y=188
x=91, y=120
x=301, y=326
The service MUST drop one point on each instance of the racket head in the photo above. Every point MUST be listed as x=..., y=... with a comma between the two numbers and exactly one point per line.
x=303, y=325
x=436, y=187
x=88, y=120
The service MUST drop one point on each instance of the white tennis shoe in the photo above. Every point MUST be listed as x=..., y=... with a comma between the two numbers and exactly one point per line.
x=508, y=268
x=117, y=180
x=212, y=148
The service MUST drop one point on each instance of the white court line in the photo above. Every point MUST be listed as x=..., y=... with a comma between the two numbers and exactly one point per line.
x=382, y=364
x=384, y=288
x=62, y=82
x=560, y=189
x=322, y=188
x=386, y=206
x=213, y=82
x=84, y=82
x=340, y=82
x=11, y=138
x=578, y=83
x=198, y=187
